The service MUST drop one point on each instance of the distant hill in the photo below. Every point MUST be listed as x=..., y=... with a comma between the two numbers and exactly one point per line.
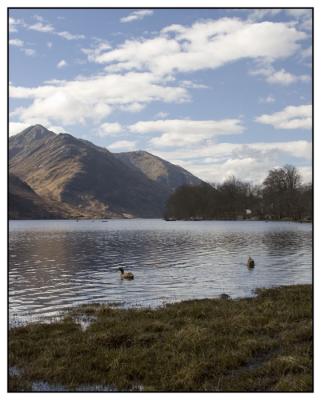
x=80, y=179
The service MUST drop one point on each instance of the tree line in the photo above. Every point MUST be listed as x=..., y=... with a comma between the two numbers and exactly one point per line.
x=281, y=196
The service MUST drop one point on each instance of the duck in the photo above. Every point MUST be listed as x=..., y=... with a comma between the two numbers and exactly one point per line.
x=250, y=262
x=125, y=275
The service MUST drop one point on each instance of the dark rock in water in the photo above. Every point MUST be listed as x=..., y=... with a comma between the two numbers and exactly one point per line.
x=225, y=296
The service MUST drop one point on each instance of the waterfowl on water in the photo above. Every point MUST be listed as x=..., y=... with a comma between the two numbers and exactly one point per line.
x=250, y=262
x=125, y=275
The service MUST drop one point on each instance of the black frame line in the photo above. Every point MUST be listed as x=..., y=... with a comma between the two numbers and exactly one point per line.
x=313, y=192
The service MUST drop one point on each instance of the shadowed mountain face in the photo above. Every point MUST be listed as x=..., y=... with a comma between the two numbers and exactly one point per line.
x=24, y=203
x=84, y=180
x=163, y=172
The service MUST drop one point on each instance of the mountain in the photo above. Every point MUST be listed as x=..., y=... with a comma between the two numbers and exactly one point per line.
x=84, y=180
x=158, y=170
x=24, y=203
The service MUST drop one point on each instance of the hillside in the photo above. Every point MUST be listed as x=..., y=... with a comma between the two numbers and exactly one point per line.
x=88, y=181
x=24, y=203
x=159, y=170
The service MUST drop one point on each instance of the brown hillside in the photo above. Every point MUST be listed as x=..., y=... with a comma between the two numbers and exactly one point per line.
x=89, y=181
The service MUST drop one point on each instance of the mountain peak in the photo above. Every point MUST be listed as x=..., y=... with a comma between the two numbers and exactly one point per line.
x=36, y=132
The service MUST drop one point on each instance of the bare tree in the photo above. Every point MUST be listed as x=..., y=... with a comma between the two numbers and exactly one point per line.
x=281, y=191
x=281, y=196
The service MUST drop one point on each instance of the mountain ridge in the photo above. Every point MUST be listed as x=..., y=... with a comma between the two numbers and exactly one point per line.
x=85, y=180
x=157, y=169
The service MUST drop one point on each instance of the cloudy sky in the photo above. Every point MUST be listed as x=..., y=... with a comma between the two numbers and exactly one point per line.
x=220, y=92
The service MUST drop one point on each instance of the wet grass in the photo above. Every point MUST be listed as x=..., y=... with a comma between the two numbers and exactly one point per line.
x=256, y=344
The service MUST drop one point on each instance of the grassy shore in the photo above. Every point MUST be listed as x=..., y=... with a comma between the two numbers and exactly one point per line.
x=256, y=344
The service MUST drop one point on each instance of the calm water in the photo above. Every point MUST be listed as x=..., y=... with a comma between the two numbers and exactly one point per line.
x=57, y=264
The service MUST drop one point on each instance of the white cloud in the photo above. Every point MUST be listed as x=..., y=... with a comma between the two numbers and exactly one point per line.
x=132, y=107
x=268, y=99
x=62, y=64
x=259, y=14
x=135, y=54
x=161, y=114
x=220, y=152
x=136, y=16
x=16, y=42
x=109, y=128
x=48, y=28
x=186, y=132
x=20, y=45
x=29, y=52
x=95, y=51
x=291, y=117
x=16, y=127
x=307, y=52
x=192, y=85
x=306, y=173
x=247, y=169
x=280, y=77
x=91, y=98
x=69, y=36
x=38, y=18
x=49, y=45
x=299, y=148
x=251, y=162
x=285, y=78
x=123, y=145
x=14, y=23
x=306, y=24
x=299, y=12
x=205, y=44
x=41, y=27
x=303, y=16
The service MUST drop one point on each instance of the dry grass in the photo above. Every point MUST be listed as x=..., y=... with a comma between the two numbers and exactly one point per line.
x=258, y=344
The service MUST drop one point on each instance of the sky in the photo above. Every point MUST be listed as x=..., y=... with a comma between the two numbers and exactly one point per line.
x=220, y=92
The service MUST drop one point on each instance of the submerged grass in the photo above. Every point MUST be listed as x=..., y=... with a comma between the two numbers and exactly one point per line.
x=256, y=344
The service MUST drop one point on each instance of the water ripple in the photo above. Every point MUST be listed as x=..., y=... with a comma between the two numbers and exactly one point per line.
x=54, y=265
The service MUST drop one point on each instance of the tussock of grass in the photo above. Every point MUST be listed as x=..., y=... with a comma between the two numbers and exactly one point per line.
x=258, y=344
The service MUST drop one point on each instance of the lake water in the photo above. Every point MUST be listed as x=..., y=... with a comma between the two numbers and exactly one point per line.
x=54, y=265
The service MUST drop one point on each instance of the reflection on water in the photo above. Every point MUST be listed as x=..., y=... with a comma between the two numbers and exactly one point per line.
x=57, y=264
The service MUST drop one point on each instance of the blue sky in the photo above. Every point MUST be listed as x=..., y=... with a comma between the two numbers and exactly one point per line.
x=220, y=92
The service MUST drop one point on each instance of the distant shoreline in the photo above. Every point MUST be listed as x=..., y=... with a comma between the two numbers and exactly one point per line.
x=164, y=219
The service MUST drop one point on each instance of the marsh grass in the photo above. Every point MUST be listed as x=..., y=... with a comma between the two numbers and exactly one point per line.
x=255, y=344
